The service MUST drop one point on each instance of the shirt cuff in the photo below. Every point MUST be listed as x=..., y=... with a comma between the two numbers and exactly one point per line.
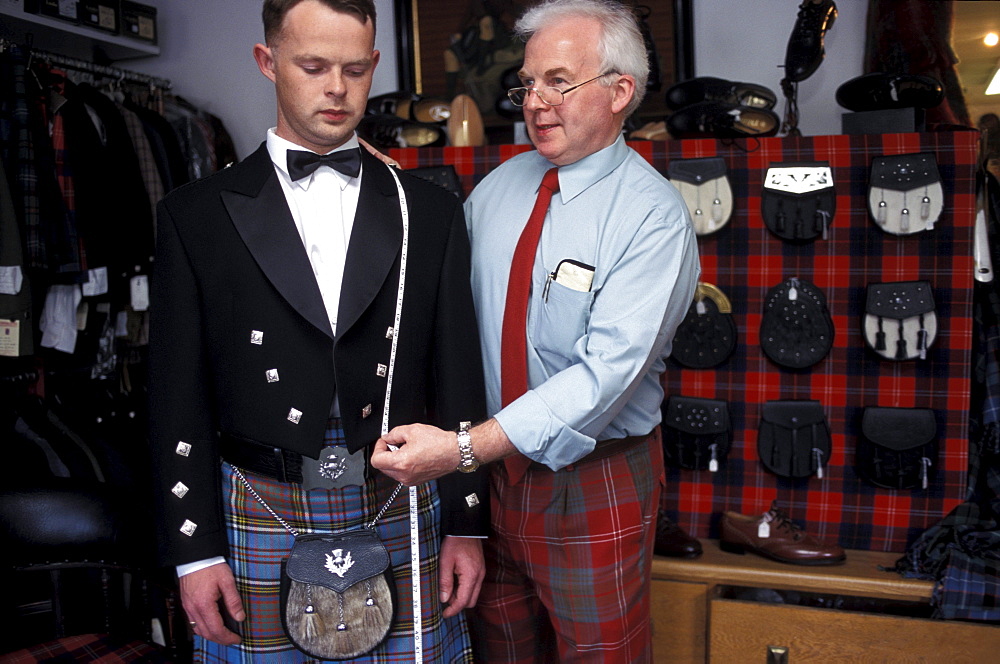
x=187, y=568
x=537, y=434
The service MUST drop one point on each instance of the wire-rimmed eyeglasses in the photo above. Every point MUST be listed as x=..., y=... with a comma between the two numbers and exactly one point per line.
x=548, y=95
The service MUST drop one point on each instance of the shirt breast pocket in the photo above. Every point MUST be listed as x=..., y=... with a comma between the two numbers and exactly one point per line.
x=563, y=315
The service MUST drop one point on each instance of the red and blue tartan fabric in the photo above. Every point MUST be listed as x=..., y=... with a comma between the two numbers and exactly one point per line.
x=745, y=260
x=88, y=648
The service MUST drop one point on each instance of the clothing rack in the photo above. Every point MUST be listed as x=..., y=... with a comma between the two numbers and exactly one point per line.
x=77, y=64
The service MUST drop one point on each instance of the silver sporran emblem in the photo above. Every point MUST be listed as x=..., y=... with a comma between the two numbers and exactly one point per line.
x=339, y=563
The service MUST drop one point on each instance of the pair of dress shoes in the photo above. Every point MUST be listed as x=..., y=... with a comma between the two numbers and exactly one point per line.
x=880, y=91
x=774, y=535
x=707, y=106
x=714, y=119
x=404, y=120
x=410, y=106
x=386, y=131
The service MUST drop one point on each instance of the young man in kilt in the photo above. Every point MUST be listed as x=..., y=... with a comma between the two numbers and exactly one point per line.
x=278, y=323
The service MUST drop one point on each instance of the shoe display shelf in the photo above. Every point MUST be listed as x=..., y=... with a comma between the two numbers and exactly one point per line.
x=725, y=607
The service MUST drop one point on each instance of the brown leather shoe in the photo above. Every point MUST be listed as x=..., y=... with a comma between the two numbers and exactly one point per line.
x=672, y=541
x=773, y=535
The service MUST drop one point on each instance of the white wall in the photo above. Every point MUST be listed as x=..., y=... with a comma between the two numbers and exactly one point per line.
x=745, y=40
x=205, y=50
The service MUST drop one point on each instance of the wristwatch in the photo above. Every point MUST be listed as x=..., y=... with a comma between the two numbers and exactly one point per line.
x=469, y=462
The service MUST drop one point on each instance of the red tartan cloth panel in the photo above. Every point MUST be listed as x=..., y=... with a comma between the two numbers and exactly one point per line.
x=745, y=260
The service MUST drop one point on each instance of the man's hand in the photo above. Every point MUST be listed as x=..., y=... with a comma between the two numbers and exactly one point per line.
x=425, y=453
x=461, y=571
x=201, y=592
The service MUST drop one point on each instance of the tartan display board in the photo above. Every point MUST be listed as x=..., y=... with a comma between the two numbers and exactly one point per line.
x=744, y=259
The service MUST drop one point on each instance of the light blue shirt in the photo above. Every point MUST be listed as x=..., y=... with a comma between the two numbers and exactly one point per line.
x=594, y=358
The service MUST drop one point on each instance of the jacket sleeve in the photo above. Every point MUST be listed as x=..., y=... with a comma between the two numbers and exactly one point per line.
x=459, y=393
x=184, y=452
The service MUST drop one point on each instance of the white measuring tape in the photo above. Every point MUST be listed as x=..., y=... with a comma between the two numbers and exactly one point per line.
x=418, y=636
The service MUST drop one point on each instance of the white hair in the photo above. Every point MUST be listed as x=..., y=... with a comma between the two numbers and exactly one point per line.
x=621, y=46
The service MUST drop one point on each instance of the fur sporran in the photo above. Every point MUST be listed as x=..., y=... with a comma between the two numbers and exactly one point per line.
x=337, y=594
x=337, y=591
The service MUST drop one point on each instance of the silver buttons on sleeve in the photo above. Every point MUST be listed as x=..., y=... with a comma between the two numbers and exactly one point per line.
x=472, y=500
x=189, y=527
x=180, y=490
x=389, y=333
x=256, y=337
x=294, y=416
x=366, y=411
x=381, y=370
x=272, y=375
x=183, y=449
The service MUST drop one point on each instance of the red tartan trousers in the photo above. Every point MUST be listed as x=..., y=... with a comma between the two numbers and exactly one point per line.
x=568, y=569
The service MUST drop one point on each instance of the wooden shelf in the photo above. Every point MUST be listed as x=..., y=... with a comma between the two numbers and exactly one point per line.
x=695, y=619
x=65, y=37
x=860, y=575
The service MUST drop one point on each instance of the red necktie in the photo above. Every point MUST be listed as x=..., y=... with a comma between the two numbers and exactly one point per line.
x=514, y=343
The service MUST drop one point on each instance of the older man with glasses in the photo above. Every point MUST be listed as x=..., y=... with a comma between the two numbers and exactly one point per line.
x=577, y=304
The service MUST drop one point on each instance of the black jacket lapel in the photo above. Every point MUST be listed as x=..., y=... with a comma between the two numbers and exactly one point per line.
x=260, y=213
x=375, y=242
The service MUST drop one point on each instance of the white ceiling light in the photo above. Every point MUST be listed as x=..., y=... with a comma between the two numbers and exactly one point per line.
x=991, y=39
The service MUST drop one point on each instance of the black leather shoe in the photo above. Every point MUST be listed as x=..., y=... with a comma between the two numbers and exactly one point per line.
x=878, y=91
x=715, y=119
x=410, y=106
x=707, y=88
x=672, y=541
x=386, y=131
x=390, y=103
x=805, y=52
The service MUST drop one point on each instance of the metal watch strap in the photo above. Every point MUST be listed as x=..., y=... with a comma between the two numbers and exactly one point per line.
x=468, y=460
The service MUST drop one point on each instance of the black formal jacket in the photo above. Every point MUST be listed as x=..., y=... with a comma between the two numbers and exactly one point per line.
x=233, y=296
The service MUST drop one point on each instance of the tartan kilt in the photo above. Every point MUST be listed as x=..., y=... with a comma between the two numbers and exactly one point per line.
x=258, y=543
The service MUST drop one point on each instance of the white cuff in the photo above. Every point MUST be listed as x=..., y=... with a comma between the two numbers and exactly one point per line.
x=187, y=568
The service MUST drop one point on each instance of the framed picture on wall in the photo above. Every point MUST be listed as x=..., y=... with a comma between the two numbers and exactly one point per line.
x=449, y=47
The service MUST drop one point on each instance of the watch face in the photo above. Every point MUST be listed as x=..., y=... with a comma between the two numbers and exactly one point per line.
x=469, y=467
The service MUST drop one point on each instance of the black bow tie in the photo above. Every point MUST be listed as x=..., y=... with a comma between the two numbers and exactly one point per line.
x=302, y=164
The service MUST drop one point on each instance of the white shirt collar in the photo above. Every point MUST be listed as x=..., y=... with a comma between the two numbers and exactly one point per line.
x=278, y=147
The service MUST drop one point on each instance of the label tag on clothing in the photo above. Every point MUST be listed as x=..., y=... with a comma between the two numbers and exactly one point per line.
x=139, y=288
x=82, y=311
x=11, y=278
x=121, y=324
x=10, y=337
x=97, y=282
